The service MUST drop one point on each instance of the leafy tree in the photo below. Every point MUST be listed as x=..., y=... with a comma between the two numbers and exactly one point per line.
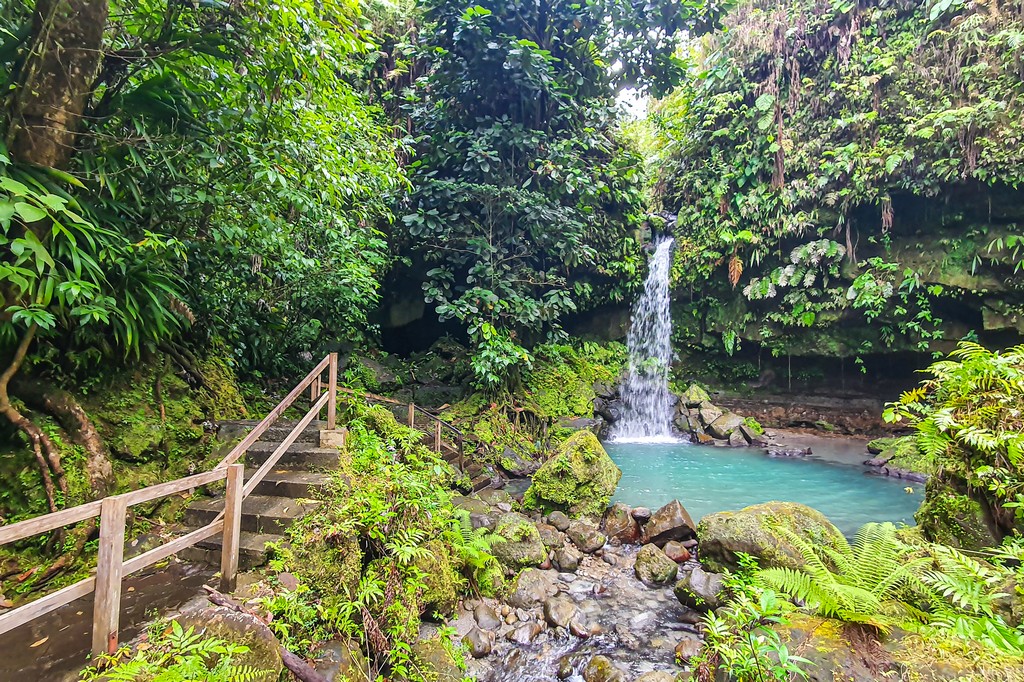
x=525, y=201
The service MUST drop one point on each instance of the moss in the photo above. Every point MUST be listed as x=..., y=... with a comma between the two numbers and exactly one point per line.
x=753, y=425
x=903, y=453
x=440, y=578
x=950, y=517
x=521, y=546
x=579, y=479
x=561, y=382
x=751, y=530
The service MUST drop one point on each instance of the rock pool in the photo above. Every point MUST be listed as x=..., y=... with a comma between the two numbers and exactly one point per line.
x=712, y=479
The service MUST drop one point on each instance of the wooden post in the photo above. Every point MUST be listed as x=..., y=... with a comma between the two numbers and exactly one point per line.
x=109, y=565
x=437, y=436
x=232, y=527
x=412, y=415
x=332, y=386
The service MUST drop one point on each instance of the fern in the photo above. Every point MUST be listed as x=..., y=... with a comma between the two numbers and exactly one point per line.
x=871, y=581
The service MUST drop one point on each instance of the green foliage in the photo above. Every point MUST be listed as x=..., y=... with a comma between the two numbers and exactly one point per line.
x=740, y=637
x=526, y=202
x=232, y=155
x=384, y=547
x=802, y=151
x=872, y=581
x=177, y=655
x=967, y=416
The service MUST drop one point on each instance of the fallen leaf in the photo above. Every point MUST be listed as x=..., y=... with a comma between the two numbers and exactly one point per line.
x=41, y=641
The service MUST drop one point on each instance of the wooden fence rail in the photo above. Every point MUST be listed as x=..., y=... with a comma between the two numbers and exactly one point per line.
x=111, y=566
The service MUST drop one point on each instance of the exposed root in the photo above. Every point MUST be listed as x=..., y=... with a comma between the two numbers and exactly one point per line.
x=79, y=427
x=66, y=560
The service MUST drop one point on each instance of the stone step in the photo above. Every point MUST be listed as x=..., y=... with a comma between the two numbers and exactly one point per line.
x=291, y=483
x=280, y=429
x=299, y=456
x=480, y=482
x=260, y=513
x=252, y=550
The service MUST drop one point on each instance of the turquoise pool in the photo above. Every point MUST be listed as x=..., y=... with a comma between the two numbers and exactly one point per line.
x=709, y=479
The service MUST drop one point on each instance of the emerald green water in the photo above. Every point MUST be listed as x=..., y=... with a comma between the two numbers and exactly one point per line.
x=709, y=479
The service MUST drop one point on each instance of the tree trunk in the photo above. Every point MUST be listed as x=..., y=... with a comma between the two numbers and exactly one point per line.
x=56, y=80
x=80, y=429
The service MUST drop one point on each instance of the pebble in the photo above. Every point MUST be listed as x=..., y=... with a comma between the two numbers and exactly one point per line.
x=567, y=577
x=609, y=559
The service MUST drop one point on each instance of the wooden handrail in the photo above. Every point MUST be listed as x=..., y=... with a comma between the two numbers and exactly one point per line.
x=111, y=566
x=274, y=414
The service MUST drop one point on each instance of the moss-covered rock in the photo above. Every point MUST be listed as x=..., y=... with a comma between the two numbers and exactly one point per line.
x=435, y=661
x=579, y=479
x=238, y=628
x=694, y=395
x=901, y=453
x=521, y=546
x=440, y=579
x=840, y=651
x=653, y=567
x=752, y=530
x=951, y=517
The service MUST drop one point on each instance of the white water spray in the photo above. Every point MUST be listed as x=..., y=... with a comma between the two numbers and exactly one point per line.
x=646, y=401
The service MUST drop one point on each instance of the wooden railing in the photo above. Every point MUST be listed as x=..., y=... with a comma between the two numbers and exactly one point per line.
x=111, y=566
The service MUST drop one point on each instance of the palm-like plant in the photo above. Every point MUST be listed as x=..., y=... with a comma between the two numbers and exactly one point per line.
x=871, y=581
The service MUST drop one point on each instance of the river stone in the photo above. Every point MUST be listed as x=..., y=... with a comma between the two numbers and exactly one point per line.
x=653, y=567
x=687, y=649
x=676, y=551
x=586, y=537
x=725, y=425
x=567, y=559
x=238, y=628
x=620, y=525
x=525, y=633
x=601, y=669
x=641, y=514
x=550, y=536
x=532, y=587
x=671, y=522
x=656, y=676
x=435, y=662
x=341, y=660
x=700, y=590
x=522, y=546
x=559, y=520
x=694, y=396
x=723, y=536
x=580, y=478
x=486, y=617
x=559, y=612
x=479, y=642
x=738, y=440
x=708, y=413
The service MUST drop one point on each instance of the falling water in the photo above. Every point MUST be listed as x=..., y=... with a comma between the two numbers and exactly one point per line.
x=646, y=401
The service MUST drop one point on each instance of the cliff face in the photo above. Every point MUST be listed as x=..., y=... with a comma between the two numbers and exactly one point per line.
x=848, y=178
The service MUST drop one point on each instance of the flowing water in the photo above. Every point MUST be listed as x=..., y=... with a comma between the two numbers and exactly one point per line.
x=646, y=401
x=712, y=479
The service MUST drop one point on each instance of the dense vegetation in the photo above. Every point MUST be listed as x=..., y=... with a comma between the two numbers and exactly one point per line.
x=200, y=199
x=847, y=174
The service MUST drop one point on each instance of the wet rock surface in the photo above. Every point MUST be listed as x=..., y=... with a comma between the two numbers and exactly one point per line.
x=562, y=622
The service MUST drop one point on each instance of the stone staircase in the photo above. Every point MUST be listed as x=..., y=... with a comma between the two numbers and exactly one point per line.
x=289, y=491
x=284, y=495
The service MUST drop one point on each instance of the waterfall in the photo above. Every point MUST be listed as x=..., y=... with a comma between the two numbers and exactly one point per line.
x=646, y=401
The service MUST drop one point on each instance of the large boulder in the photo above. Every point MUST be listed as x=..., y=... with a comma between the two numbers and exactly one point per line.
x=671, y=522
x=440, y=579
x=341, y=660
x=602, y=669
x=579, y=479
x=753, y=530
x=238, y=628
x=838, y=651
x=952, y=517
x=700, y=590
x=693, y=396
x=620, y=526
x=522, y=545
x=653, y=567
x=434, y=661
x=724, y=426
